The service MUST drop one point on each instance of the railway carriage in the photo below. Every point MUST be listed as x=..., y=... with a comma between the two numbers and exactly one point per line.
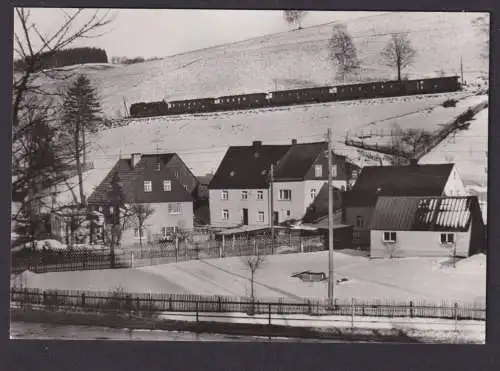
x=242, y=101
x=191, y=106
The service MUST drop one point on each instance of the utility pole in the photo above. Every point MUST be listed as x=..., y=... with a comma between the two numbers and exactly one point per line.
x=330, y=217
x=271, y=201
x=461, y=71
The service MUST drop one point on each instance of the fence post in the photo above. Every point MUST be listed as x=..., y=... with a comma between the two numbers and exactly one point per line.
x=176, y=248
x=44, y=298
x=137, y=303
x=132, y=259
x=219, y=306
x=197, y=314
x=411, y=309
x=269, y=314
x=83, y=299
x=352, y=314
x=221, y=251
x=301, y=244
x=455, y=307
x=170, y=303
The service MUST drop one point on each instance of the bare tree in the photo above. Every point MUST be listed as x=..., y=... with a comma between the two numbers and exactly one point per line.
x=343, y=53
x=34, y=173
x=416, y=140
x=399, y=53
x=294, y=17
x=140, y=213
x=253, y=262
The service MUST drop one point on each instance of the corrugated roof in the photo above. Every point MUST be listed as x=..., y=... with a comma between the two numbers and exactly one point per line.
x=411, y=180
x=424, y=213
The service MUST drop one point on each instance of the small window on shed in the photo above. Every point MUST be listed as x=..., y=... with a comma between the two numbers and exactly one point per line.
x=447, y=238
x=390, y=237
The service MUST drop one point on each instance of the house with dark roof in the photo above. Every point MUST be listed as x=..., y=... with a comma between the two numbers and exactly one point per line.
x=426, y=227
x=411, y=180
x=161, y=181
x=239, y=192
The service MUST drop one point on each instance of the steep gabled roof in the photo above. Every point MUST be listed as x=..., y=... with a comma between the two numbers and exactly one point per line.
x=411, y=180
x=298, y=160
x=247, y=167
x=425, y=213
x=131, y=180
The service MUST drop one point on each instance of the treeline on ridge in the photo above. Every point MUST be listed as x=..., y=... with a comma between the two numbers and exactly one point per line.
x=66, y=57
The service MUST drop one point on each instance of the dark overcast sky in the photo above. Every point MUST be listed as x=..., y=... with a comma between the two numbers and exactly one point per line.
x=150, y=33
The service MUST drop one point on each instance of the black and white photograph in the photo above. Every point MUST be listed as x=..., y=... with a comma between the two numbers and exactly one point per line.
x=249, y=175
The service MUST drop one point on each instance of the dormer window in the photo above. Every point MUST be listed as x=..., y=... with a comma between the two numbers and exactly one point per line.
x=167, y=185
x=318, y=171
x=148, y=186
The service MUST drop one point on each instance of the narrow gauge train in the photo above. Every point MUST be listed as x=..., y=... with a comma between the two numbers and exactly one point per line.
x=368, y=90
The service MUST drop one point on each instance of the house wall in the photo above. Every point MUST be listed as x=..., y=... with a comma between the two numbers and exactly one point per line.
x=418, y=244
x=235, y=204
x=161, y=218
x=361, y=235
x=297, y=205
x=186, y=177
x=454, y=186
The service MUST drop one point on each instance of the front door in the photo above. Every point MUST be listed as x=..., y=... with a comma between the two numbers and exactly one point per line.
x=245, y=216
x=275, y=218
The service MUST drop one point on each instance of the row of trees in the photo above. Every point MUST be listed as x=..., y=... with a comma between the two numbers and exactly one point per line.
x=61, y=58
x=398, y=52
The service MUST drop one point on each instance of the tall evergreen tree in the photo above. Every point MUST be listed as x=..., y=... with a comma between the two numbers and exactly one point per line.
x=82, y=113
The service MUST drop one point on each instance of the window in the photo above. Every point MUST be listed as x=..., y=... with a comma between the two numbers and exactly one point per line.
x=138, y=232
x=148, y=186
x=260, y=217
x=390, y=237
x=318, y=171
x=157, y=166
x=447, y=238
x=225, y=214
x=164, y=232
x=285, y=194
x=359, y=222
x=334, y=170
x=100, y=209
x=286, y=213
x=312, y=193
x=244, y=195
x=260, y=195
x=167, y=185
x=224, y=195
x=111, y=210
x=174, y=208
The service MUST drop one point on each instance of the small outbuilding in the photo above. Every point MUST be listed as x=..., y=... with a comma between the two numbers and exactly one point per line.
x=426, y=227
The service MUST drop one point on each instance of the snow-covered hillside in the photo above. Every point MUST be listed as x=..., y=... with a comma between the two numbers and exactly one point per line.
x=291, y=59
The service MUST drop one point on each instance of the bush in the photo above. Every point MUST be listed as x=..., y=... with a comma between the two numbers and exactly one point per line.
x=450, y=103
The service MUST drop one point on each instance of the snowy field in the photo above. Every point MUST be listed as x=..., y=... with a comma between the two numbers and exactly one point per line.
x=429, y=279
x=287, y=60
x=468, y=149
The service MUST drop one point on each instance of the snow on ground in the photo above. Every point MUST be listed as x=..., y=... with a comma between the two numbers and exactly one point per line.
x=428, y=279
x=291, y=59
x=468, y=149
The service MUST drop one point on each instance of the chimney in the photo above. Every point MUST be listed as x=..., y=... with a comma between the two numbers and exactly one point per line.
x=136, y=157
x=294, y=141
x=256, y=143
